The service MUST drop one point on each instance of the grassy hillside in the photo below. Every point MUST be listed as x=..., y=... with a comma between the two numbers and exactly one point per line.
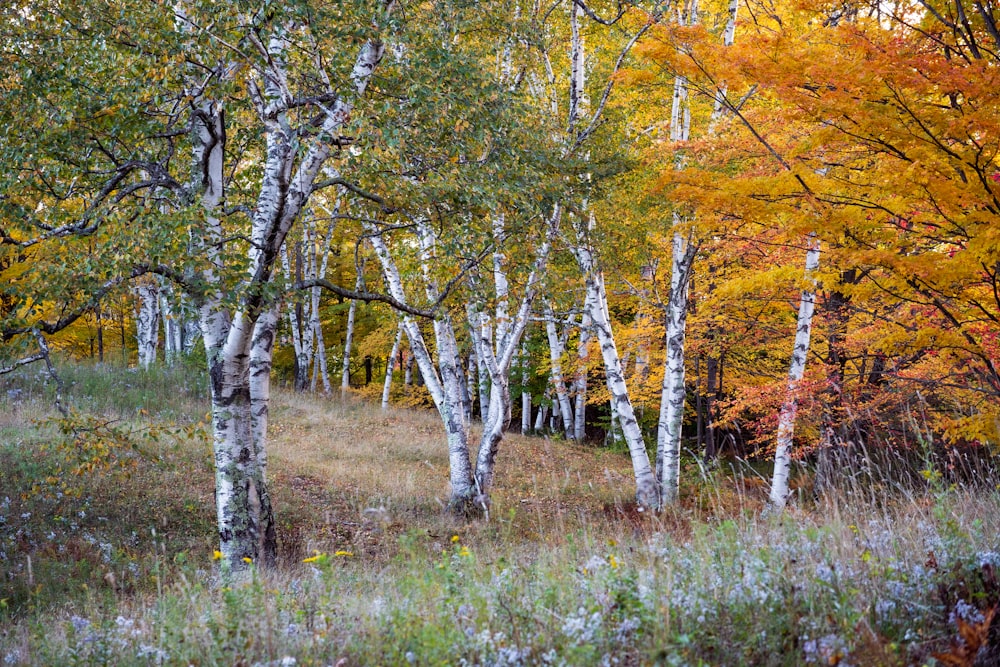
x=107, y=539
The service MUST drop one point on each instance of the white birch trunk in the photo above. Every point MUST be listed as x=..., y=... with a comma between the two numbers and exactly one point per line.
x=173, y=331
x=580, y=384
x=672, y=399
x=647, y=493
x=472, y=381
x=786, y=418
x=389, y=365
x=668, y=446
x=525, y=396
x=323, y=259
x=444, y=388
x=542, y=413
x=147, y=322
x=296, y=314
x=245, y=519
x=498, y=359
x=558, y=383
x=345, y=373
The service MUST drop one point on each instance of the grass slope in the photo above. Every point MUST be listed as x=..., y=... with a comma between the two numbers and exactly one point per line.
x=112, y=563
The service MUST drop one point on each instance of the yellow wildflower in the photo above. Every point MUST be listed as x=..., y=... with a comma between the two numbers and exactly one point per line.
x=464, y=552
x=343, y=554
x=247, y=559
x=613, y=562
x=455, y=539
x=312, y=559
x=216, y=555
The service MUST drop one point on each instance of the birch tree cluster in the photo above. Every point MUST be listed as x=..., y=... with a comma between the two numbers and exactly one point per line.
x=684, y=229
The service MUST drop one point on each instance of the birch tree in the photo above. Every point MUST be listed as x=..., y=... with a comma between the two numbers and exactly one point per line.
x=239, y=338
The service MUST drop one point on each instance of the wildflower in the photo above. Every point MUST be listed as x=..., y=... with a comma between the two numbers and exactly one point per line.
x=216, y=555
x=343, y=554
x=613, y=562
x=455, y=539
x=464, y=552
x=315, y=557
x=247, y=560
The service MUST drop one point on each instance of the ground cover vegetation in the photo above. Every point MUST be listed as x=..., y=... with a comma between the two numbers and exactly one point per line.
x=121, y=567
x=651, y=314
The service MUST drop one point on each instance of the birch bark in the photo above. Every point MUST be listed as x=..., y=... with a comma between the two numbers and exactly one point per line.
x=345, y=373
x=647, y=492
x=786, y=418
x=390, y=364
x=443, y=387
x=558, y=383
x=238, y=340
x=147, y=322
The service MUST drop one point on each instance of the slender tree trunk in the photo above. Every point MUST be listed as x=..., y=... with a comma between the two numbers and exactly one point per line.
x=786, y=418
x=472, y=383
x=99, y=314
x=345, y=373
x=558, y=383
x=647, y=492
x=712, y=372
x=172, y=329
x=389, y=365
x=580, y=384
x=525, y=395
x=668, y=445
x=444, y=388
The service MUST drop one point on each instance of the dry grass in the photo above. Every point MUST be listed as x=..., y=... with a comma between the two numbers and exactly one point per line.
x=864, y=577
x=359, y=478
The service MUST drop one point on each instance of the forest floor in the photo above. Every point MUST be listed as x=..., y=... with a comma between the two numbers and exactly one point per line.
x=107, y=540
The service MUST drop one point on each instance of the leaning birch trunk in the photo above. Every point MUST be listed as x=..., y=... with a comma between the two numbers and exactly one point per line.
x=443, y=388
x=558, y=383
x=786, y=418
x=647, y=493
x=499, y=357
x=389, y=365
x=147, y=323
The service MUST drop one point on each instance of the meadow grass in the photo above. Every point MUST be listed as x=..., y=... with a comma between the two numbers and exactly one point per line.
x=114, y=565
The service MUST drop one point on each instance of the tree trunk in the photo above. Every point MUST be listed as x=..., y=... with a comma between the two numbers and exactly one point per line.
x=444, y=388
x=647, y=492
x=786, y=418
x=345, y=373
x=580, y=384
x=558, y=383
x=147, y=323
x=389, y=365
x=668, y=445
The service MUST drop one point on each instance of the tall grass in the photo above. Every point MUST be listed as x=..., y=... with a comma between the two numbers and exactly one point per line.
x=566, y=572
